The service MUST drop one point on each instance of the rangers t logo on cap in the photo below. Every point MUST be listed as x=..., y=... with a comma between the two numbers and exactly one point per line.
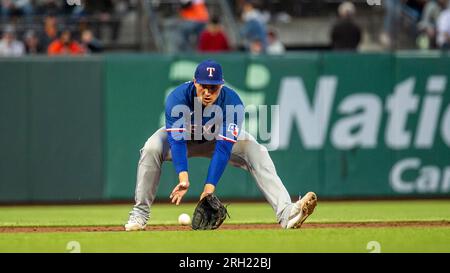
x=210, y=69
x=209, y=72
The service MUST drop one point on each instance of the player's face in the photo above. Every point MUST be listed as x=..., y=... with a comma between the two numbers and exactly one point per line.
x=207, y=93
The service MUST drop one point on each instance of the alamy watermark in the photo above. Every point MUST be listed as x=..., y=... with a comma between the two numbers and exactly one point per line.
x=374, y=247
x=73, y=247
x=373, y=2
x=73, y=2
x=232, y=123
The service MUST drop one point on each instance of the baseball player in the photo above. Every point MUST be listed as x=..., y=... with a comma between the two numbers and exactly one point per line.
x=203, y=118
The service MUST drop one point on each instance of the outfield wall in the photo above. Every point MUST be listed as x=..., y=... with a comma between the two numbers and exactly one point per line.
x=351, y=125
x=51, y=124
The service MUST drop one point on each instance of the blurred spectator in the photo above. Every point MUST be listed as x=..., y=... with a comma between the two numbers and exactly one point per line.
x=414, y=8
x=443, y=29
x=254, y=29
x=427, y=25
x=32, y=44
x=194, y=17
x=345, y=34
x=9, y=46
x=275, y=46
x=90, y=43
x=256, y=46
x=50, y=31
x=281, y=11
x=99, y=14
x=213, y=38
x=392, y=21
x=65, y=45
x=13, y=8
x=403, y=14
x=51, y=7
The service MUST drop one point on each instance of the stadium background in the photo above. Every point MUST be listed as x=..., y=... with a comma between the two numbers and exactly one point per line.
x=75, y=127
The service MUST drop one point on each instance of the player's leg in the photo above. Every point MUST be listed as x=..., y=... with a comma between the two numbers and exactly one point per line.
x=248, y=154
x=154, y=152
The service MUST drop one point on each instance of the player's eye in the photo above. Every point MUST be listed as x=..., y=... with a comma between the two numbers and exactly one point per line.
x=212, y=88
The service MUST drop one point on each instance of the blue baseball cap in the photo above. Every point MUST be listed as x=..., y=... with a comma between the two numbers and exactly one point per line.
x=209, y=72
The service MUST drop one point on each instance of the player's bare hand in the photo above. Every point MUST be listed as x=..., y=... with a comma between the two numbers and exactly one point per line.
x=179, y=191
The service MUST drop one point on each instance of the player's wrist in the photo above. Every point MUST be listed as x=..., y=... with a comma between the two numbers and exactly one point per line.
x=183, y=178
x=209, y=188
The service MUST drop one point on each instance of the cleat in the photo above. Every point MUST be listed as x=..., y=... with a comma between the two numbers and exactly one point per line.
x=135, y=223
x=301, y=210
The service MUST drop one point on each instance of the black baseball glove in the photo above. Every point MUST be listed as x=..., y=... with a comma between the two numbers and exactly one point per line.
x=209, y=213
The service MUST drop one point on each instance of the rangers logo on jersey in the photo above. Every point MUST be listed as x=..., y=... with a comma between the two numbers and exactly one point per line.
x=233, y=129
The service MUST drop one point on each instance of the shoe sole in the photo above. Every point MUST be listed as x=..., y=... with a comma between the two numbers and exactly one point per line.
x=308, y=205
x=134, y=228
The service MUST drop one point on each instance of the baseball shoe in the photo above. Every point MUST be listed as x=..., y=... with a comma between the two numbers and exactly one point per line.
x=301, y=210
x=135, y=223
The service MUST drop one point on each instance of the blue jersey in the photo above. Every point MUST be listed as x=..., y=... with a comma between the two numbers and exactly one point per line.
x=188, y=120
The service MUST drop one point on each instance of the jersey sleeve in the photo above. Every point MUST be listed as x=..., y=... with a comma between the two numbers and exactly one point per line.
x=176, y=114
x=232, y=121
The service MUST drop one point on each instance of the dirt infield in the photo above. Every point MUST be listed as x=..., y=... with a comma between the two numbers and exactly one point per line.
x=230, y=226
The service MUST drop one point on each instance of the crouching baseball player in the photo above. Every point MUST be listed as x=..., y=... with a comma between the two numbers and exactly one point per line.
x=203, y=119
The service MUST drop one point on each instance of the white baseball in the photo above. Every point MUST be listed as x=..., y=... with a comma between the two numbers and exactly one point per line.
x=184, y=219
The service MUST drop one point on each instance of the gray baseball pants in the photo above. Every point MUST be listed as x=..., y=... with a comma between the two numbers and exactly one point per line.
x=247, y=154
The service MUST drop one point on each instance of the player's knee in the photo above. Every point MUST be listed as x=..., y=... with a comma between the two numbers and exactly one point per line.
x=256, y=148
x=261, y=148
x=152, y=148
x=151, y=155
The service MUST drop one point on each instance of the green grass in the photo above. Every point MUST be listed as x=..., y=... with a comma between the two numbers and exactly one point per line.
x=397, y=239
x=361, y=211
x=306, y=240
